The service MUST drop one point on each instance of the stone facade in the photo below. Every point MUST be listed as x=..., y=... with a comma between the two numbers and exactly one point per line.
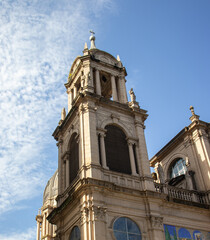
x=96, y=190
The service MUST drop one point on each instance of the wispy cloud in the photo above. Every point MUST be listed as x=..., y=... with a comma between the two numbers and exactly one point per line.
x=29, y=234
x=38, y=41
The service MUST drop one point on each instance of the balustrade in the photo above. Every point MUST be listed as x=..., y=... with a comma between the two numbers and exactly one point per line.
x=183, y=194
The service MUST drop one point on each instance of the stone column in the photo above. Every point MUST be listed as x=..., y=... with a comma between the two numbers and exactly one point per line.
x=64, y=175
x=103, y=150
x=75, y=91
x=38, y=231
x=124, y=90
x=114, y=89
x=143, y=156
x=69, y=99
x=156, y=229
x=67, y=171
x=98, y=83
x=132, y=160
x=91, y=76
x=59, y=145
x=122, y=95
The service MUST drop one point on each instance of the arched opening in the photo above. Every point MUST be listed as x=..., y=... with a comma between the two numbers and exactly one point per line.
x=73, y=158
x=75, y=234
x=178, y=168
x=177, y=173
x=117, y=152
x=126, y=229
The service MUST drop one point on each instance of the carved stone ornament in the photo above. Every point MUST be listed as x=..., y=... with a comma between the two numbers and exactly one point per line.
x=99, y=212
x=84, y=214
x=156, y=222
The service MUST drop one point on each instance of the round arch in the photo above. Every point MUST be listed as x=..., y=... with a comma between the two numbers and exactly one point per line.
x=119, y=124
x=73, y=149
x=75, y=233
x=126, y=228
x=171, y=161
x=117, y=152
x=71, y=133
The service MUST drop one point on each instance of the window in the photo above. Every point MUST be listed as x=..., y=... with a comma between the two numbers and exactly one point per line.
x=75, y=234
x=178, y=168
x=73, y=158
x=117, y=153
x=126, y=229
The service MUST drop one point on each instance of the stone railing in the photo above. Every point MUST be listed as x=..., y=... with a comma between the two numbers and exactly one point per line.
x=183, y=194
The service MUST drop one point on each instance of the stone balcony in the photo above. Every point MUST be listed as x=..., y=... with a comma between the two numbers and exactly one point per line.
x=184, y=196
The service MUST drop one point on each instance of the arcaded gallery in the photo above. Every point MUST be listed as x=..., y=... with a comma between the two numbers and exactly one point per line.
x=103, y=188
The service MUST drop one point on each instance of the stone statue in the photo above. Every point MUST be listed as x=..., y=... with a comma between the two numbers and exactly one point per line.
x=189, y=181
x=132, y=95
x=161, y=174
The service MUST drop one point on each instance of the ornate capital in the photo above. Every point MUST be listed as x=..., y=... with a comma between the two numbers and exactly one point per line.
x=156, y=222
x=99, y=212
x=84, y=214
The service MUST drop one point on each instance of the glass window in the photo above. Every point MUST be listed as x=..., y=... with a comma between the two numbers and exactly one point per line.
x=126, y=229
x=178, y=168
x=75, y=234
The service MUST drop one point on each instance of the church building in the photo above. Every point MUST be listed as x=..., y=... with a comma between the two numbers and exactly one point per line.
x=103, y=188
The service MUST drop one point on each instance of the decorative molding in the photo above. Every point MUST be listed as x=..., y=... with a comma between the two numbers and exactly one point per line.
x=99, y=212
x=156, y=222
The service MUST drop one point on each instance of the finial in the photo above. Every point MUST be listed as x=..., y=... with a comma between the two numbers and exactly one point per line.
x=63, y=114
x=92, y=40
x=192, y=110
x=85, y=51
x=118, y=58
x=194, y=117
x=85, y=47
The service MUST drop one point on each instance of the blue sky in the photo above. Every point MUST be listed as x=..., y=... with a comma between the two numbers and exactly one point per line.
x=163, y=44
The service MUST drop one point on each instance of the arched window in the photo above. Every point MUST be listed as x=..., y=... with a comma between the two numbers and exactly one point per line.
x=184, y=234
x=117, y=153
x=125, y=229
x=75, y=234
x=73, y=157
x=178, y=168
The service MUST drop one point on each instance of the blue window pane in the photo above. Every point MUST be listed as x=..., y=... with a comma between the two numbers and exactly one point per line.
x=120, y=235
x=132, y=227
x=126, y=229
x=120, y=225
x=134, y=237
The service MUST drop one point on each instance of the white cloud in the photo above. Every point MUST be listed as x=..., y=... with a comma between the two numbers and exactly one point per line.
x=38, y=42
x=29, y=234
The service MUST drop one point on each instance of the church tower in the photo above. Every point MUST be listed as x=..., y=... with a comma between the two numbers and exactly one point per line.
x=105, y=188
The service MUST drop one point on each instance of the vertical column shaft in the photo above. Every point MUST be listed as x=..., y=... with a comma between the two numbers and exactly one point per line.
x=103, y=150
x=60, y=170
x=75, y=91
x=91, y=76
x=64, y=175
x=132, y=160
x=98, y=83
x=123, y=90
x=114, y=89
x=67, y=172
x=69, y=100
x=38, y=231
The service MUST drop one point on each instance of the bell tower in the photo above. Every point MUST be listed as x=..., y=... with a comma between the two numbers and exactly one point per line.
x=103, y=166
